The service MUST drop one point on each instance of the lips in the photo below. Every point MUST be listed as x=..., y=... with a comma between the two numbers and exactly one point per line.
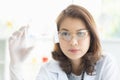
x=74, y=50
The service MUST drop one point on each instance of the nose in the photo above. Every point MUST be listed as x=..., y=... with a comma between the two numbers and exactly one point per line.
x=74, y=41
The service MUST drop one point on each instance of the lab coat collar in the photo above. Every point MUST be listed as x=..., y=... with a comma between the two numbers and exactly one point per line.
x=55, y=68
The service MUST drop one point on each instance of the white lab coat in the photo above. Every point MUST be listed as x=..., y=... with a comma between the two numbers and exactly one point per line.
x=106, y=69
x=51, y=71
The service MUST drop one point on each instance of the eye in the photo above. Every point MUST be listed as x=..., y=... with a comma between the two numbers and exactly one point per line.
x=81, y=33
x=65, y=33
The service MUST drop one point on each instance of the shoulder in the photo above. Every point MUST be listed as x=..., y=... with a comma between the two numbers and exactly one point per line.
x=107, y=68
x=50, y=71
x=52, y=66
x=106, y=58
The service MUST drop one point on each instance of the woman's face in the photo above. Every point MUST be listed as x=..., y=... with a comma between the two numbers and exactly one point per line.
x=74, y=38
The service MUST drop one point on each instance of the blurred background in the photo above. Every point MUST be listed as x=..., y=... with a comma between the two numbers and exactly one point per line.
x=40, y=15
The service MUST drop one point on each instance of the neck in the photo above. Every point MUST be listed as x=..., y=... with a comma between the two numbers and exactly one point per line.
x=76, y=68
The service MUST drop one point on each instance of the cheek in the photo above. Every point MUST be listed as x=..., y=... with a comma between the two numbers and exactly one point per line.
x=85, y=45
x=63, y=46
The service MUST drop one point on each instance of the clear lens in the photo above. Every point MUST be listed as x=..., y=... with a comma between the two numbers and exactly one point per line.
x=65, y=35
x=68, y=36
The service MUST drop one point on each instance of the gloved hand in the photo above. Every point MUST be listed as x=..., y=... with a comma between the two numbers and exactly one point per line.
x=17, y=46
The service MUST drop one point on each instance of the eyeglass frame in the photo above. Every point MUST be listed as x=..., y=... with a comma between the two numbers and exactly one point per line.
x=71, y=36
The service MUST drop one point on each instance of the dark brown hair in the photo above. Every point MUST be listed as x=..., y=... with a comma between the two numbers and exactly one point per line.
x=94, y=52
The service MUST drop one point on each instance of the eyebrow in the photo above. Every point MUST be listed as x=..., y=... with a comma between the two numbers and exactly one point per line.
x=68, y=30
x=64, y=29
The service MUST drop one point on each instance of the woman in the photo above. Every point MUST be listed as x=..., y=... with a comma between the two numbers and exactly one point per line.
x=77, y=55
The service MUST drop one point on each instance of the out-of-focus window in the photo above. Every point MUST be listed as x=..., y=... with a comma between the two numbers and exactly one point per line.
x=109, y=19
x=107, y=16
